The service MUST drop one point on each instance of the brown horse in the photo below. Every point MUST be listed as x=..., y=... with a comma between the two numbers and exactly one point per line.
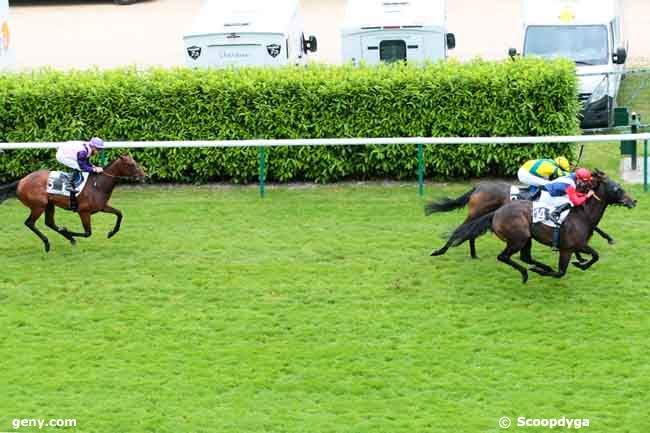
x=32, y=192
x=484, y=198
x=512, y=224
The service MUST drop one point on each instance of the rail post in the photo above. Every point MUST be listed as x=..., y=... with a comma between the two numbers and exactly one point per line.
x=645, y=165
x=262, y=174
x=634, y=128
x=420, y=169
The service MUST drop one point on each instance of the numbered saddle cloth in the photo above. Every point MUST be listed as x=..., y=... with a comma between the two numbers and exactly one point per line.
x=545, y=205
x=57, y=183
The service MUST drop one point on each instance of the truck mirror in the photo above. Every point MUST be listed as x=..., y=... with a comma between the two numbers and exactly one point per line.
x=451, y=41
x=619, y=56
x=512, y=52
x=310, y=44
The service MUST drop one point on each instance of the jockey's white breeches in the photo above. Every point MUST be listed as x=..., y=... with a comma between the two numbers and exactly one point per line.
x=67, y=161
x=530, y=179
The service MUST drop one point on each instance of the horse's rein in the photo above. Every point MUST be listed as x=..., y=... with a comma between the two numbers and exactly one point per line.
x=118, y=177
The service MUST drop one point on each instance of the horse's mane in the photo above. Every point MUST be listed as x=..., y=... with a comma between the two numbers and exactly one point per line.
x=110, y=164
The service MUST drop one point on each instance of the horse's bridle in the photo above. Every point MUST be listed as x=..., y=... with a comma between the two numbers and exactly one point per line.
x=115, y=177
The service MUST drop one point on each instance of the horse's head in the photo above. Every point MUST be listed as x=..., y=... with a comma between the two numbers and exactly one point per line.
x=611, y=192
x=125, y=166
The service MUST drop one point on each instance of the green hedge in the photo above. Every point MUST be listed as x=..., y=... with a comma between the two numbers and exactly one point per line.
x=524, y=97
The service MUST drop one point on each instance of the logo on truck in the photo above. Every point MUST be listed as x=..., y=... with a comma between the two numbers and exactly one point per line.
x=4, y=35
x=273, y=49
x=194, y=52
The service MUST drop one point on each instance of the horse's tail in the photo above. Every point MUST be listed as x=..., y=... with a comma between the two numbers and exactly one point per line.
x=7, y=191
x=472, y=229
x=448, y=204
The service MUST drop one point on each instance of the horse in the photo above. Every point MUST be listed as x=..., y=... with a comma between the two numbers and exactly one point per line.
x=482, y=199
x=31, y=190
x=512, y=223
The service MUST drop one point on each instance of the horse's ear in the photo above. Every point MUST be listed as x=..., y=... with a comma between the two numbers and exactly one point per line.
x=598, y=172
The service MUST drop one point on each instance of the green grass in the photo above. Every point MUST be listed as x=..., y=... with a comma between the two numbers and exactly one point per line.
x=316, y=309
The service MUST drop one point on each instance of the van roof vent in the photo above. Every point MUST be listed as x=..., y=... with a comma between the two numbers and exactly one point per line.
x=236, y=24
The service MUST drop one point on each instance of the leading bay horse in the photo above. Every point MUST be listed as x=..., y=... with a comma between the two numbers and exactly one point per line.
x=31, y=190
x=484, y=198
x=512, y=223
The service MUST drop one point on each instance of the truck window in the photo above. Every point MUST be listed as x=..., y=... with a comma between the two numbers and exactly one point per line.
x=586, y=45
x=392, y=51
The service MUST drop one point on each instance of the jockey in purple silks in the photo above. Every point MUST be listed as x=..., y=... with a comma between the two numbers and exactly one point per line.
x=76, y=155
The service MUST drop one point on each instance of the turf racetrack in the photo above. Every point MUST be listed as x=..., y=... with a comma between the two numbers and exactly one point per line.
x=317, y=309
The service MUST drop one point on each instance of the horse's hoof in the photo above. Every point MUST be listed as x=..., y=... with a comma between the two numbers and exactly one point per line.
x=580, y=266
x=611, y=242
x=73, y=242
x=47, y=248
x=524, y=278
x=437, y=253
x=475, y=257
x=111, y=234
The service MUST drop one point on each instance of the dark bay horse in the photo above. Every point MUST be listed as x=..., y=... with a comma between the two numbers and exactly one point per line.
x=484, y=198
x=32, y=192
x=512, y=224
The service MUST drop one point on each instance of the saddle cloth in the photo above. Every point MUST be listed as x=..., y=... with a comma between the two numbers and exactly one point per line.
x=57, y=183
x=545, y=205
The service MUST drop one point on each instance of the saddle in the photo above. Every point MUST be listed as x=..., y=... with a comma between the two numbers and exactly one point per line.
x=58, y=181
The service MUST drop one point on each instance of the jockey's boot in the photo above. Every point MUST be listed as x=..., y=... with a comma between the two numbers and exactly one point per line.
x=72, y=189
x=555, y=215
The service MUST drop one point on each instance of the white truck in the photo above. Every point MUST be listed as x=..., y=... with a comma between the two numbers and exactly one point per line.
x=7, y=55
x=248, y=33
x=588, y=32
x=376, y=31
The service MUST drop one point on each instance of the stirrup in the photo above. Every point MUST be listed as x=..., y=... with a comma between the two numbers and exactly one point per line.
x=555, y=246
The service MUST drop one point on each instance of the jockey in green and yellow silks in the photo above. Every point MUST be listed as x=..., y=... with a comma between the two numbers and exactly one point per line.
x=539, y=172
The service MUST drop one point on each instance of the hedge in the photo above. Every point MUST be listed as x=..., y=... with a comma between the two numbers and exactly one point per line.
x=526, y=97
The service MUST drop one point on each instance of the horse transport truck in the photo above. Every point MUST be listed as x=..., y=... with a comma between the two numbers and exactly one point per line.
x=589, y=32
x=376, y=31
x=248, y=33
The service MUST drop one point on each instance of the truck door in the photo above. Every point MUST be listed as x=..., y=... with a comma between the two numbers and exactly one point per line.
x=392, y=47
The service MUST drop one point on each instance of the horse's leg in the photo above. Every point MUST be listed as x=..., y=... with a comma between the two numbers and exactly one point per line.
x=30, y=222
x=580, y=258
x=512, y=248
x=527, y=257
x=116, y=212
x=85, y=221
x=49, y=221
x=472, y=248
x=565, y=257
x=594, y=258
x=443, y=249
x=609, y=239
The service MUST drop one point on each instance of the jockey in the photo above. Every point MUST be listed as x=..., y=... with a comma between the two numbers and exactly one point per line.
x=539, y=172
x=76, y=155
x=567, y=185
